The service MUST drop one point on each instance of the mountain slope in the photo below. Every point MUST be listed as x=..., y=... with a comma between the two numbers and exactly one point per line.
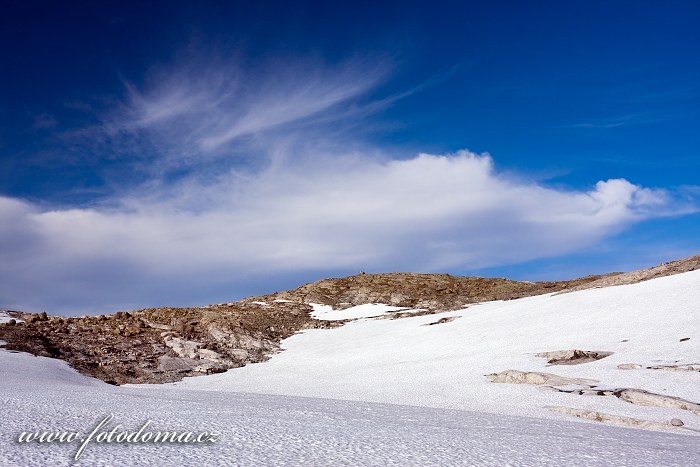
x=166, y=344
x=637, y=361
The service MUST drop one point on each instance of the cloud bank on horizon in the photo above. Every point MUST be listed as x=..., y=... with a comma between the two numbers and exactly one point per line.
x=428, y=213
x=310, y=202
x=222, y=170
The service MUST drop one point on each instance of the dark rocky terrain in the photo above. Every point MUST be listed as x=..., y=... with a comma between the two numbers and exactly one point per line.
x=166, y=344
x=161, y=344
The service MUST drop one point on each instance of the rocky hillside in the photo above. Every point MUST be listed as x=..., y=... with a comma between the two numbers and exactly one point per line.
x=161, y=344
x=432, y=292
x=165, y=344
x=666, y=269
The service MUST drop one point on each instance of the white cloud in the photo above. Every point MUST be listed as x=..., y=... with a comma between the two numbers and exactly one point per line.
x=428, y=213
x=272, y=179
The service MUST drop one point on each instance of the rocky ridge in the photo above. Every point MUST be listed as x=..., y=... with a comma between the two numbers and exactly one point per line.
x=691, y=263
x=430, y=292
x=166, y=344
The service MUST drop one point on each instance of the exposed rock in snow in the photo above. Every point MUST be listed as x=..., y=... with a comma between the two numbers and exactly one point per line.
x=642, y=397
x=681, y=367
x=573, y=357
x=532, y=377
x=615, y=419
x=585, y=387
x=662, y=270
x=629, y=366
x=444, y=320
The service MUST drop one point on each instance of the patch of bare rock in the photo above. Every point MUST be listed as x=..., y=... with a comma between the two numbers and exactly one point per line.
x=615, y=419
x=573, y=357
x=589, y=387
x=665, y=269
x=407, y=314
x=650, y=399
x=444, y=320
x=536, y=378
x=694, y=367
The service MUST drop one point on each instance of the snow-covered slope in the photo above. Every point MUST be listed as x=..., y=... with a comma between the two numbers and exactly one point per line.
x=255, y=430
x=407, y=361
x=370, y=310
x=451, y=413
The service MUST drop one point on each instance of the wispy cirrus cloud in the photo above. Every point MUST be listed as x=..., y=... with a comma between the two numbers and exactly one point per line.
x=621, y=121
x=207, y=108
x=44, y=121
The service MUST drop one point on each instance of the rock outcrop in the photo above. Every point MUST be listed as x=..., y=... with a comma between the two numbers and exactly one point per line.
x=616, y=419
x=430, y=292
x=691, y=263
x=536, y=378
x=162, y=344
x=590, y=387
x=573, y=356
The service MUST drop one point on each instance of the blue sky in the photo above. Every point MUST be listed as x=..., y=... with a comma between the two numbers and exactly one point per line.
x=184, y=153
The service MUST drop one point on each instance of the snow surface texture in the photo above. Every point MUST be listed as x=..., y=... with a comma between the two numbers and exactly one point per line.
x=370, y=362
x=260, y=430
x=403, y=361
